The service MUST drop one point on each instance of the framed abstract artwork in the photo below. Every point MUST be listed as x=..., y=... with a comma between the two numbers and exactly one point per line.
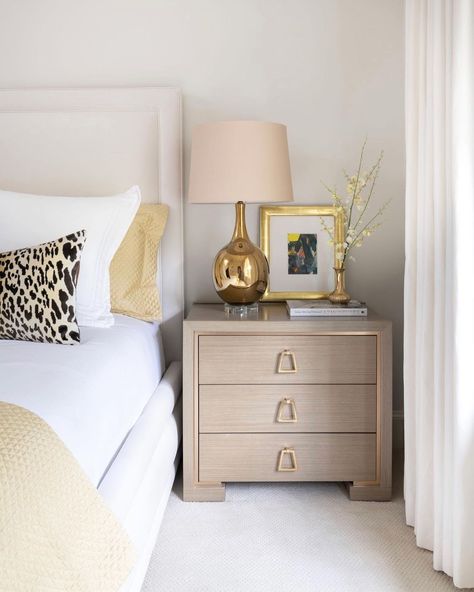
x=299, y=251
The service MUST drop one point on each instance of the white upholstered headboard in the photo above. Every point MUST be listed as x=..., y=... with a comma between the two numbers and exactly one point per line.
x=100, y=141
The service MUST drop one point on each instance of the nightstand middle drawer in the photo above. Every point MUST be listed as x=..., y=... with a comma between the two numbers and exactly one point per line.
x=290, y=408
x=287, y=359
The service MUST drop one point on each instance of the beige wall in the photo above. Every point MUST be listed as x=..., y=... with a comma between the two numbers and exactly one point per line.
x=332, y=70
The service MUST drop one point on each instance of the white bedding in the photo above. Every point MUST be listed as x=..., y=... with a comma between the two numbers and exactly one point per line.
x=91, y=394
x=156, y=429
x=138, y=484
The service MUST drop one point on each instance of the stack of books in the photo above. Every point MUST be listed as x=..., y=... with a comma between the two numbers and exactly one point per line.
x=325, y=308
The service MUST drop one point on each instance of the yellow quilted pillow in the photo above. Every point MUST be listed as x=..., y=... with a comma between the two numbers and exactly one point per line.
x=133, y=271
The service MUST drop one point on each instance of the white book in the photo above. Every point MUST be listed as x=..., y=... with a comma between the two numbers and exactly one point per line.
x=325, y=308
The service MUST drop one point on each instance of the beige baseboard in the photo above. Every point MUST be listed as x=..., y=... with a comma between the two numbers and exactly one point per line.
x=398, y=430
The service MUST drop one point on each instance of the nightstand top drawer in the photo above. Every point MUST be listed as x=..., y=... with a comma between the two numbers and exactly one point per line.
x=287, y=359
x=290, y=408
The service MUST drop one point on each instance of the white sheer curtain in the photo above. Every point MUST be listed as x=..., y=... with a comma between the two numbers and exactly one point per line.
x=439, y=286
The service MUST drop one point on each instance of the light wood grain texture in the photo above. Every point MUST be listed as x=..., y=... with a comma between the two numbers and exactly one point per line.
x=254, y=457
x=369, y=493
x=381, y=490
x=212, y=317
x=206, y=482
x=255, y=408
x=241, y=359
x=192, y=489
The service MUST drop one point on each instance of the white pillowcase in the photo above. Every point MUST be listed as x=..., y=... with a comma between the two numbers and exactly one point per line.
x=29, y=220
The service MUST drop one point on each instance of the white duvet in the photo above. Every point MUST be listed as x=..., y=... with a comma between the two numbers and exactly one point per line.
x=91, y=394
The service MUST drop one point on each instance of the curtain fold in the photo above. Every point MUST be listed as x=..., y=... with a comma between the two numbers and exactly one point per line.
x=439, y=286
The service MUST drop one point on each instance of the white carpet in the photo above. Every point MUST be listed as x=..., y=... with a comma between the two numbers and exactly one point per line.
x=301, y=537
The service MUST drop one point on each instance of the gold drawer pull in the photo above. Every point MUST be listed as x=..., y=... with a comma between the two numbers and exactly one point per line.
x=287, y=354
x=293, y=415
x=292, y=455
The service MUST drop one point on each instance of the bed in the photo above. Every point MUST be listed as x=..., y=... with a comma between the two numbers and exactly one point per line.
x=121, y=419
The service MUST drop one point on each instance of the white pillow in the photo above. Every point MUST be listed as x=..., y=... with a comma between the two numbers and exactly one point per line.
x=29, y=220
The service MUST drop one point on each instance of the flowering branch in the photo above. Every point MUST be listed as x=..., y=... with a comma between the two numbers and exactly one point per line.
x=354, y=233
x=356, y=184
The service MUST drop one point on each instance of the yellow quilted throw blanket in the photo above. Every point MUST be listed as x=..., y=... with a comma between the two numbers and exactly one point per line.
x=56, y=534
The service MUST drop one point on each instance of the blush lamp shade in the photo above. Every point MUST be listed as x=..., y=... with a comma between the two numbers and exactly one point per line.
x=235, y=161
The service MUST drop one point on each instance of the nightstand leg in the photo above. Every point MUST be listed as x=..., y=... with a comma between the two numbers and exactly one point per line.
x=212, y=492
x=369, y=493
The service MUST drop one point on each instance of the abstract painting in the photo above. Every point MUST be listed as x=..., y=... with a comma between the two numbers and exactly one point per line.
x=302, y=253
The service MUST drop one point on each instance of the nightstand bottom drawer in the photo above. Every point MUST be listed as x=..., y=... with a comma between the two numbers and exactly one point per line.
x=287, y=457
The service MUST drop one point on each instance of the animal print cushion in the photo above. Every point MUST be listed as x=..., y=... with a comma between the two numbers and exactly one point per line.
x=38, y=291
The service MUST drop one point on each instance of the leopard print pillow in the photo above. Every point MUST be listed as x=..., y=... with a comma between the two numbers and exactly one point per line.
x=38, y=291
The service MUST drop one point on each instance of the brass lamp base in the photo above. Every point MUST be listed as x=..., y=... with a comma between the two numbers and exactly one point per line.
x=240, y=268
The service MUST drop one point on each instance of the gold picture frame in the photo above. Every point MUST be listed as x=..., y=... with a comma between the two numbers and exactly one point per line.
x=266, y=215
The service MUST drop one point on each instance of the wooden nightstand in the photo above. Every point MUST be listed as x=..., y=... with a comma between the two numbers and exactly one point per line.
x=269, y=398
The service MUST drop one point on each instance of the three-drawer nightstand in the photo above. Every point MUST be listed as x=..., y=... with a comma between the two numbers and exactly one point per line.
x=269, y=398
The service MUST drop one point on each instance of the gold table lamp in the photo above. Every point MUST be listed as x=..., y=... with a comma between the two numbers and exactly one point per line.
x=237, y=162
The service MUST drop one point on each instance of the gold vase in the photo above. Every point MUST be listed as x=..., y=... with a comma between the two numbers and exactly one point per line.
x=240, y=268
x=339, y=296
